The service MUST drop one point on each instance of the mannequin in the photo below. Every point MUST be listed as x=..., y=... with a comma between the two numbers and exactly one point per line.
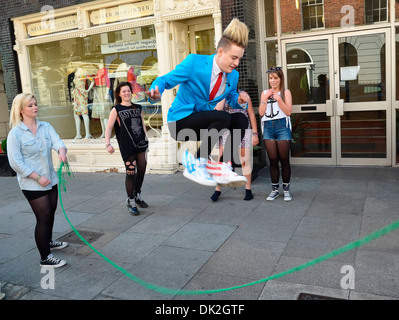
x=80, y=102
x=127, y=73
x=102, y=101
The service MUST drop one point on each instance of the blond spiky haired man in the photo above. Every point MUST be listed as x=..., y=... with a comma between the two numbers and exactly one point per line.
x=204, y=81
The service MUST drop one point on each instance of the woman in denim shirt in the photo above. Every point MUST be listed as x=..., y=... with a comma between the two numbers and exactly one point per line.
x=29, y=146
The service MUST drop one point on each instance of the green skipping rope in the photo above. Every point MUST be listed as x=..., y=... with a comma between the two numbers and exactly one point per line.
x=65, y=171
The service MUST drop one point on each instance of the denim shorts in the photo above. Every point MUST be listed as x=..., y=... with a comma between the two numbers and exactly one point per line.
x=276, y=130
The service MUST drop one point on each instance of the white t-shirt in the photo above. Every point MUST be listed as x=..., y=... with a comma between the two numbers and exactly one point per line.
x=273, y=111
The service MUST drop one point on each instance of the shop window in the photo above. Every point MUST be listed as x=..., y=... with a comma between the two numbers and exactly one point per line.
x=396, y=70
x=312, y=14
x=376, y=11
x=272, y=54
x=74, y=79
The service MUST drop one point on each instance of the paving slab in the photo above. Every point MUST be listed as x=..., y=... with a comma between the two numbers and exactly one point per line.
x=184, y=240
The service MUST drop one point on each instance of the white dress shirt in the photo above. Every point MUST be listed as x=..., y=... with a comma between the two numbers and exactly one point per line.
x=214, y=76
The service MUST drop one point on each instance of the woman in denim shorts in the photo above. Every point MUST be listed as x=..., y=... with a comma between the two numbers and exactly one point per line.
x=275, y=109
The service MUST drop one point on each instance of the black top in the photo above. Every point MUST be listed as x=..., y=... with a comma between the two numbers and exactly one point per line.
x=130, y=133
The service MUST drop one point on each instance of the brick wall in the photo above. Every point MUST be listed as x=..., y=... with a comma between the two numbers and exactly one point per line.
x=291, y=17
x=333, y=15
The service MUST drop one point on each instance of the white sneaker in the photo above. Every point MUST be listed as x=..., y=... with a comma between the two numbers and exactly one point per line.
x=224, y=175
x=273, y=195
x=195, y=170
x=287, y=196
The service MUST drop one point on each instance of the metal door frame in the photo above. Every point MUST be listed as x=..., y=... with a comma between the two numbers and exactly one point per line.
x=320, y=108
x=341, y=106
x=335, y=107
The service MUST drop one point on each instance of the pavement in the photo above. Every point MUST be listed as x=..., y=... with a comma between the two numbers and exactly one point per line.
x=184, y=241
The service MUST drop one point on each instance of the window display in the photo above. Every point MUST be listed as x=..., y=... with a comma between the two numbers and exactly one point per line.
x=74, y=79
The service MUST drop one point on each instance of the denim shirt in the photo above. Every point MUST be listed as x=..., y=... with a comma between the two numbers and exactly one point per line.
x=29, y=153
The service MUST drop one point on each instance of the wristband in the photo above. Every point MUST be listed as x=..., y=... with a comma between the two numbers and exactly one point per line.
x=254, y=133
x=37, y=178
x=107, y=145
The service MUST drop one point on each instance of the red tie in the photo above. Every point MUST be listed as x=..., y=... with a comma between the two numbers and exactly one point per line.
x=216, y=87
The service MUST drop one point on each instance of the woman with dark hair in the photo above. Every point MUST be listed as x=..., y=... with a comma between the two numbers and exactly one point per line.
x=131, y=134
x=275, y=109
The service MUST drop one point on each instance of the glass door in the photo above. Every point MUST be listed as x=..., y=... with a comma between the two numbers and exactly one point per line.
x=362, y=104
x=341, y=112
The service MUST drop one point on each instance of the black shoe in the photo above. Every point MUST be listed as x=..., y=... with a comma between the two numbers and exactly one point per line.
x=248, y=195
x=56, y=245
x=140, y=201
x=52, y=262
x=131, y=205
x=216, y=196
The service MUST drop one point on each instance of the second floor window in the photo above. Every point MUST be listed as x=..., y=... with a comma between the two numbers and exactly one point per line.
x=376, y=11
x=312, y=14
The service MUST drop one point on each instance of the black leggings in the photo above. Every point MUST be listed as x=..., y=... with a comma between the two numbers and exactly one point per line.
x=279, y=150
x=135, y=171
x=207, y=127
x=44, y=205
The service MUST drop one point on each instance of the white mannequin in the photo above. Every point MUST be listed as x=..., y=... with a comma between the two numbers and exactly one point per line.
x=102, y=101
x=80, y=77
x=121, y=74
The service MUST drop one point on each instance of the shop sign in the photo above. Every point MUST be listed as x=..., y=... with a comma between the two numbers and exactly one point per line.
x=52, y=26
x=122, y=12
x=129, y=46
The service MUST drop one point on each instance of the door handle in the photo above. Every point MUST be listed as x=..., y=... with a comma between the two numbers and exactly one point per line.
x=329, y=108
x=340, y=107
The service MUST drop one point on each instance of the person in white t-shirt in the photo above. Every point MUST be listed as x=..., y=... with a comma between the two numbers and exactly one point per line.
x=275, y=109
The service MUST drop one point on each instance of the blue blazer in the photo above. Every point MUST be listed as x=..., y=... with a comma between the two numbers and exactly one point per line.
x=193, y=75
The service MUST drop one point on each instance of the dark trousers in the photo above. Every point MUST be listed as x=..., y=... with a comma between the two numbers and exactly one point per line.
x=207, y=127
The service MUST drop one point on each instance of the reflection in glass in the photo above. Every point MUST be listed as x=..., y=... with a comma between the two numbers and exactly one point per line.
x=272, y=54
x=311, y=135
x=205, y=41
x=362, y=68
x=308, y=72
x=363, y=134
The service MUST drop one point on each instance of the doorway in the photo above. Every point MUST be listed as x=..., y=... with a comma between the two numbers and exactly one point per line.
x=341, y=112
x=191, y=36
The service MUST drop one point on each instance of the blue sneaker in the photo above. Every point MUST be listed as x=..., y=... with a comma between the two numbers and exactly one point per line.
x=195, y=170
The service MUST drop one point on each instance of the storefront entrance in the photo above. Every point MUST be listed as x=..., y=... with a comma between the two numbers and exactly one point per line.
x=191, y=36
x=341, y=87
